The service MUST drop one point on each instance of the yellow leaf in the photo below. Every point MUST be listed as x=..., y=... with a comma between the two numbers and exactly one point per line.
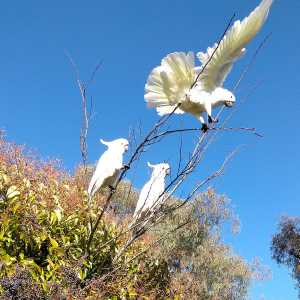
x=12, y=192
x=16, y=207
x=5, y=178
x=53, y=242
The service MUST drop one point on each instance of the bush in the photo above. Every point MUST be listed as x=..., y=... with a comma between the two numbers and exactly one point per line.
x=45, y=227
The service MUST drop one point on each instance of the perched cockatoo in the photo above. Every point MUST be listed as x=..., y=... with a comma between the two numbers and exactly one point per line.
x=149, y=198
x=173, y=82
x=109, y=165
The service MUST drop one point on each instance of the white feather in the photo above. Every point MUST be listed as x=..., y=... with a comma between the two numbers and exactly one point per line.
x=172, y=82
x=149, y=198
x=168, y=84
x=232, y=47
x=164, y=110
x=108, y=166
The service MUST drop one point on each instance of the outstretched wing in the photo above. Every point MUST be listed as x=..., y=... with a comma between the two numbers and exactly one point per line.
x=231, y=47
x=167, y=84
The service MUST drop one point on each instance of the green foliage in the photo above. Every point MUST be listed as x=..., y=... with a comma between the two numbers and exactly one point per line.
x=286, y=246
x=201, y=266
x=45, y=224
x=44, y=229
x=43, y=239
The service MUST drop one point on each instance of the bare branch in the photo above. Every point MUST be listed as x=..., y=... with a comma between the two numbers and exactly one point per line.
x=168, y=132
x=145, y=250
x=96, y=69
x=217, y=173
x=217, y=47
x=249, y=65
x=180, y=156
x=85, y=116
x=73, y=64
x=134, y=156
x=86, y=113
x=195, y=158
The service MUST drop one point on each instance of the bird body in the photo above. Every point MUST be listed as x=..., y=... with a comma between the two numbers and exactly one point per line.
x=178, y=82
x=109, y=166
x=150, y=196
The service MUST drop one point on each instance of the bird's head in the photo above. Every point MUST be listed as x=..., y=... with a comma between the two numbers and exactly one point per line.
x=124, y=144
x=120, y=144
x=222, y=96
x=162, y=169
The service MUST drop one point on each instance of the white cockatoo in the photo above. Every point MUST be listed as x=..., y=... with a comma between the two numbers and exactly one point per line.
x=109, y=165
x=149, y=198
x=177, y=81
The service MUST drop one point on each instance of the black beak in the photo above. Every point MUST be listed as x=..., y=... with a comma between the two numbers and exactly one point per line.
x=228, y=104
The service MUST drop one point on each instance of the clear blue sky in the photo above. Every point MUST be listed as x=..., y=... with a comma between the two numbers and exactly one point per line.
x=40, y=102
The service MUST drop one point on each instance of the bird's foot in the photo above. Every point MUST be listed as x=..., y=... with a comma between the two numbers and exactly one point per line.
x=125, y=168
x=112, y=188
x=212, y=120
x=204, y=127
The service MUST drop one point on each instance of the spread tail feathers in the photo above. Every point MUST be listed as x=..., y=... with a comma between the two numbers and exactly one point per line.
x=168, y=84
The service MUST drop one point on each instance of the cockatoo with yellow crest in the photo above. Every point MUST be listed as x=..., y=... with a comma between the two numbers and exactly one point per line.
x=178, y=82
x=109, y=165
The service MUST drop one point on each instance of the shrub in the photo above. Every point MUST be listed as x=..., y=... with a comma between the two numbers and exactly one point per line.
x=44, y=229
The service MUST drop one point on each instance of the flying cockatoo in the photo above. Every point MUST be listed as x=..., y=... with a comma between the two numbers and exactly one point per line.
x=109, y=165
x=149, y=198
x=177, y=82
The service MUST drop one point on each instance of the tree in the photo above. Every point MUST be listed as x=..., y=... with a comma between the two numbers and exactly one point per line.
x=286, y=246
x=51, y=238
x=201, y=266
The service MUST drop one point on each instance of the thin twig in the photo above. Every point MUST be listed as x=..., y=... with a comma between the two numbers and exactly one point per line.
x=86, y=113
x=215, y=50
x=187, y=169
x=135, y=155
x=168, y=132
x=242, y=76
x=217, y=173
x=97, y=67
x=146, y=250
x=180, y=155
x=196, y=155
x=252, y=61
